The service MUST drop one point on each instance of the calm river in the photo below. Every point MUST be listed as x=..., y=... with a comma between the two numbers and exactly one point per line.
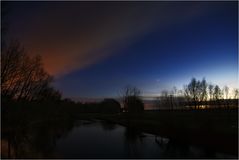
x=100, y=139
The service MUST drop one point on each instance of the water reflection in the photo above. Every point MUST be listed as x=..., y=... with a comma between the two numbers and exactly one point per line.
x=36, y=140
x=97, y=139
x=108, y=126
x=133, y=138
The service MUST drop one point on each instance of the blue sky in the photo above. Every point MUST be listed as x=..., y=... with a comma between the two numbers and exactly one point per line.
x=152, y=45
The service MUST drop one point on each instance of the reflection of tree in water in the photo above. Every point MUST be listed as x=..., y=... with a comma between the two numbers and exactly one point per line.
x=132, y=139
x=107, y=125
x=38, y=140
x=161, y=142
x=174, y=149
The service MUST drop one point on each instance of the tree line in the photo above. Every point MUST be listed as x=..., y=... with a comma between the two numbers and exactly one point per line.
x=23, y=78
x=197, y=93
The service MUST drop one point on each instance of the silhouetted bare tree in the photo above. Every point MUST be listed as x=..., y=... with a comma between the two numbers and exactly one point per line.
x=11, y=68
x=236, y=93
x=217, y=94
x=203, y=90
x=131, y=99
x=23, y=77
x=193, y=88
x=225, y=94
x=166, y=99
x=196, y=91
x=186, y=93
x=210, y=91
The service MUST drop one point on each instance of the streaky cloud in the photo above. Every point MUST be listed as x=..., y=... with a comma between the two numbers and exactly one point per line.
x=72, y=36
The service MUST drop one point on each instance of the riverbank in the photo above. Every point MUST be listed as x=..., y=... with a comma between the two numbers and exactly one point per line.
x=27, y=126
x=211, y=129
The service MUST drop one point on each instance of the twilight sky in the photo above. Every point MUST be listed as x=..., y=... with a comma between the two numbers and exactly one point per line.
x=94, y=49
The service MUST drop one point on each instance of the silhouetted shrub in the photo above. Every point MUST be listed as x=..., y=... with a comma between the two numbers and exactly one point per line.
x=133, y=104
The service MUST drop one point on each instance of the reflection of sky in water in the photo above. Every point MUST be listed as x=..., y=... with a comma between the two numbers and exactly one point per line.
x=102, y=140
x=92, y=140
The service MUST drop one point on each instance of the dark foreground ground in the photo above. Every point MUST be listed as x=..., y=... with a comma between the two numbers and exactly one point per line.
x=25, y=126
